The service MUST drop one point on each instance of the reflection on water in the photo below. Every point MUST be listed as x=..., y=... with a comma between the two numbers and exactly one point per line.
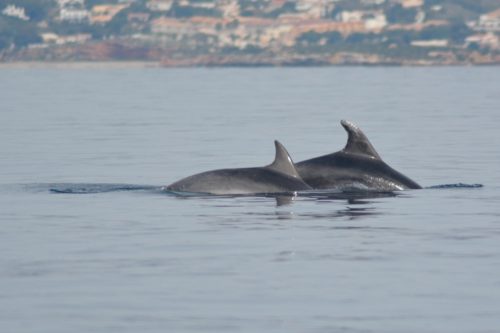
x=355, y=204
x=352, y=213
x=354, y=209
x=344, y=206
x=358, y=203
x=333, y=205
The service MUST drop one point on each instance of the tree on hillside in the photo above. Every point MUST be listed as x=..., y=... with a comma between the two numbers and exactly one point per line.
x=17, y=32
x=91, y=3
x=398, y=14
x=454, y=32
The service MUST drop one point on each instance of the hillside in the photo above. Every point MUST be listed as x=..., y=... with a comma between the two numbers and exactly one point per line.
x=252, y=32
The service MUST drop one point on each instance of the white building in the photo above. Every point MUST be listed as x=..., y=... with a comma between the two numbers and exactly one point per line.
x=314, y=9
x=485, y=40
x=490, y=22
x=74, y=15
x=430, y=43
x=229, y=8
x=66, y=3
x=373, y=19
x=373, y=2
x=350, y=16
x=73, y=11
x=411, y=3
x=14, y=11
x=52, y=38
x=376, y=21
x=203, y=4
x=159, y=5
x=171, y=26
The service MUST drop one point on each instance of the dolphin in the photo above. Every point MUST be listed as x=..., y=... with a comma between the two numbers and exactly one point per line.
x=356, y=167
x=278, y=177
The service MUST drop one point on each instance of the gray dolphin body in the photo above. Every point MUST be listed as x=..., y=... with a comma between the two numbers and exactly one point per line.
x=357, y=166
x=278, y=177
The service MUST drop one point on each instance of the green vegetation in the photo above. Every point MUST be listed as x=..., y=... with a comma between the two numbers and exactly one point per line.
x=398, y=14
x=189, y=11
x=91, y=3
x=15, y=32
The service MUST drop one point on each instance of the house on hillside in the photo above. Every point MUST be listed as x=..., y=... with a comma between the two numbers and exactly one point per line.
x=314, y=9
x=51, y=38
x=171, y=26
x=372, y=19
x=229, y=8
x=73, y=11
x=102, y=14
x=159, y=5
x=15, y=11
x=410, y=3
x=489, y=22
x=489, y=40
x=73, y=15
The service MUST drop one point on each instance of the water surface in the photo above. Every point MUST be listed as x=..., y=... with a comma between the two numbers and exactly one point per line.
x=139, y=260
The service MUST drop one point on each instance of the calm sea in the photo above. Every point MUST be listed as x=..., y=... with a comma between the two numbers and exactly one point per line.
x=129, y=258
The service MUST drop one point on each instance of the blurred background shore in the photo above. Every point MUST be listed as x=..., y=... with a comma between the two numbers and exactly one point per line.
x=179, y=33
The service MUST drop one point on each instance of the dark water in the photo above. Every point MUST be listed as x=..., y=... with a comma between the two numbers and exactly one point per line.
x=118, y=254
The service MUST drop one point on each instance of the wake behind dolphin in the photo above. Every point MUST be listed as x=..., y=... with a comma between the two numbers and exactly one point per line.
x=96, y=188
x=85, y=188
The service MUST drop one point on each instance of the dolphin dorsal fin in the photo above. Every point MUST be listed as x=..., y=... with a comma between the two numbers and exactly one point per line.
x=283, y=162
x=357, y=142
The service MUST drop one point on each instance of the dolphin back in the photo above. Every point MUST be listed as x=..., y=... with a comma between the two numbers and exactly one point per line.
x=278, y=177
x=357, y=166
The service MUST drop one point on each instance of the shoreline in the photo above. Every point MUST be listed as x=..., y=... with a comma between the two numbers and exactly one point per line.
x=79, y=64
x=116, y=64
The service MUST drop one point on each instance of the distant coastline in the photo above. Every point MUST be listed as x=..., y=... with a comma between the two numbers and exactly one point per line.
x=116, y=64
x=79, y=64
x=238, y=33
